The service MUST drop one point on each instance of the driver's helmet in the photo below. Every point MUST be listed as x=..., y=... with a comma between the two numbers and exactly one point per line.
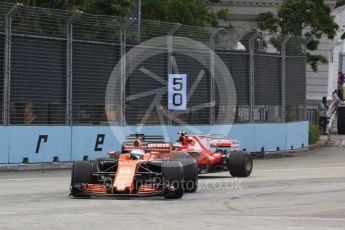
x=137, y=154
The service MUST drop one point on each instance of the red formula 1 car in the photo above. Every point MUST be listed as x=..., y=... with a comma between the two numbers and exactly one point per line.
x=145, y=167
x=215, y=154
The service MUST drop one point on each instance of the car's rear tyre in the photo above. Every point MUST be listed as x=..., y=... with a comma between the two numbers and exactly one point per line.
x=81, y=173
x=173, y=179
x=240, y=164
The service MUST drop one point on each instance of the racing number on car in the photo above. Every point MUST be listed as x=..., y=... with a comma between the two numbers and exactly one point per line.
x=99, y=141
x=41, y=138
x=177, y=96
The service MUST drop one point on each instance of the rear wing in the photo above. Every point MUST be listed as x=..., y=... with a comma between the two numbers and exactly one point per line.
x=212, y=136
x=221, y=143
x=145, y=138
x=149, y=147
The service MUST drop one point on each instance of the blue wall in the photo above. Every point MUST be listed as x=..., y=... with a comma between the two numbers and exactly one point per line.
x=43, y=143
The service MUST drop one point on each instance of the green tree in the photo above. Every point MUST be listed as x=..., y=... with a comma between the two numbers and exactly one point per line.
x=303, y=17
x=187, y=12
x=121, y=8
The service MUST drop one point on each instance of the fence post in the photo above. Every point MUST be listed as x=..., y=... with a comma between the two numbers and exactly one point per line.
x=305, y=42
x=305, y=87
x=7, y=64
x=170, y=54
x=139, y=21
x=69, y=63
x=252, y=76
x=283, y=79
x=123, y=67
x=212, y=76
x=123, y=75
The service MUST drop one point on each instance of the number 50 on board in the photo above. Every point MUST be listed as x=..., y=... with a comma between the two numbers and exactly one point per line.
x=177, y=92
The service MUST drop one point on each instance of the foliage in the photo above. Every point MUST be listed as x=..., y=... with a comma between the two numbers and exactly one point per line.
x=314, y=134
x=315, y=60
x=122, y=8
x=188, y=12
x=303, y=17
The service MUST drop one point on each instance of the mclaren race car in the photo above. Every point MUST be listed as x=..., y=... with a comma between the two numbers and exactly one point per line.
x=145, y=167
x=214, y=153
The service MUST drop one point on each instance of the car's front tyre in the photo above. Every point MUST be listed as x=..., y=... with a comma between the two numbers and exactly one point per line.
x=81, y=173
x=173, y=179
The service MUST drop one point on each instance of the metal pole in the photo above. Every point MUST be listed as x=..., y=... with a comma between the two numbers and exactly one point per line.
x=123, y=76
x=283, y=79
x=69, y=60
x=7, y=67
x=305, y=76
x=212, y=76
x=170, y=40
x=123, y=65
x=305, y=43
x=139, y=21
x=252, y=75
x=171, y=33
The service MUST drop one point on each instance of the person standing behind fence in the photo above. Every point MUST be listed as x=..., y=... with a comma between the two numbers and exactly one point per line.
x=323, y=108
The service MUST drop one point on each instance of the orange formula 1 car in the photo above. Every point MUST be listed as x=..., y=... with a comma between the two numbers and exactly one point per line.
x=144, y=168
x=214, y=153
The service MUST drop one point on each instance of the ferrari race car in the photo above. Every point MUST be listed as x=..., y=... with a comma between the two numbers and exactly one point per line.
x=214, y=153
x=146, y=166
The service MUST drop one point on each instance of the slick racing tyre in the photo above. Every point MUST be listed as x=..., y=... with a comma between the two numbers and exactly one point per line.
x=240, y=164
x=173, y=179
x=190, y=171
x=81, y=173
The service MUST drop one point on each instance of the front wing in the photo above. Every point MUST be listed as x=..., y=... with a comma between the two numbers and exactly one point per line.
x=100, y=190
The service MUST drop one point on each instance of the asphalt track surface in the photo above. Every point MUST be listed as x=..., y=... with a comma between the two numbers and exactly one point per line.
x=306, y=191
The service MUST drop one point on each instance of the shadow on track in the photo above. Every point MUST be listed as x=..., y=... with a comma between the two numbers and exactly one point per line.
x=214, y=177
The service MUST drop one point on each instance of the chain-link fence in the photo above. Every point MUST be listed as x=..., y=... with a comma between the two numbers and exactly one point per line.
x=63, y=68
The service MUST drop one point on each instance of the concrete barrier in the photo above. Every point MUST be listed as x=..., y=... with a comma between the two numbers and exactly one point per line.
x=94, y=142
x=37, y=144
